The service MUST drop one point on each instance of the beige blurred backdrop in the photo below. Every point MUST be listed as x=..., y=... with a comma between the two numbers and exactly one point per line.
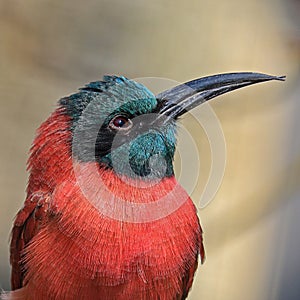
x=50, y=48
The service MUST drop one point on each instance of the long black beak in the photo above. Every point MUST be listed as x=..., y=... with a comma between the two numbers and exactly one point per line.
x=184, y=97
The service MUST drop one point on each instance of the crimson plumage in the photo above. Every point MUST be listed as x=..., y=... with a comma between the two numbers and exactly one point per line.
x=65, y=246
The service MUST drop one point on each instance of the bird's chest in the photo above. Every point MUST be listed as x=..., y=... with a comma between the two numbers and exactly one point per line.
x=96, y=257
x=140, y=251
x=141, y=260
x=111, y=251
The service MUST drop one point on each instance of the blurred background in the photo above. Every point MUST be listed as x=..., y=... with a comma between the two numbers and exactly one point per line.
x=252, y=228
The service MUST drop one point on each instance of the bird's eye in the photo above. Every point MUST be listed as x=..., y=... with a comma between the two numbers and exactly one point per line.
x=120, y=123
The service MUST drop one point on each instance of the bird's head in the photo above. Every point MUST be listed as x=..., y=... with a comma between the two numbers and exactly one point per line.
x=123, y=126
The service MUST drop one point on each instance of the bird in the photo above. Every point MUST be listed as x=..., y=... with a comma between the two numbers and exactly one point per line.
x=104, y=216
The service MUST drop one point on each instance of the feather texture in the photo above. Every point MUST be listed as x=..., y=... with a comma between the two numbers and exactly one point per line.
x=63, y=247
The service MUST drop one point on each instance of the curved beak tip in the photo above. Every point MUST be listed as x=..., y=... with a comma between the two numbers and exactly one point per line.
x=281, y=78
x=184, y=97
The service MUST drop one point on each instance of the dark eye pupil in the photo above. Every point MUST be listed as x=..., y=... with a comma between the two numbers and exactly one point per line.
x=120, y=121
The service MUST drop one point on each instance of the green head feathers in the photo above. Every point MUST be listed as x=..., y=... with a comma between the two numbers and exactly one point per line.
x=114, y=123
x=121, y=125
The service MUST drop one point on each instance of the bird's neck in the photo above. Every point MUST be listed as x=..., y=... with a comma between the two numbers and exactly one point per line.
x=92, y=176
x=122, y=198
x=50, y=153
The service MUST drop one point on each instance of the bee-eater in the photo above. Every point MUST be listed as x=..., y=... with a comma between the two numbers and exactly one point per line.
x=104, y=216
